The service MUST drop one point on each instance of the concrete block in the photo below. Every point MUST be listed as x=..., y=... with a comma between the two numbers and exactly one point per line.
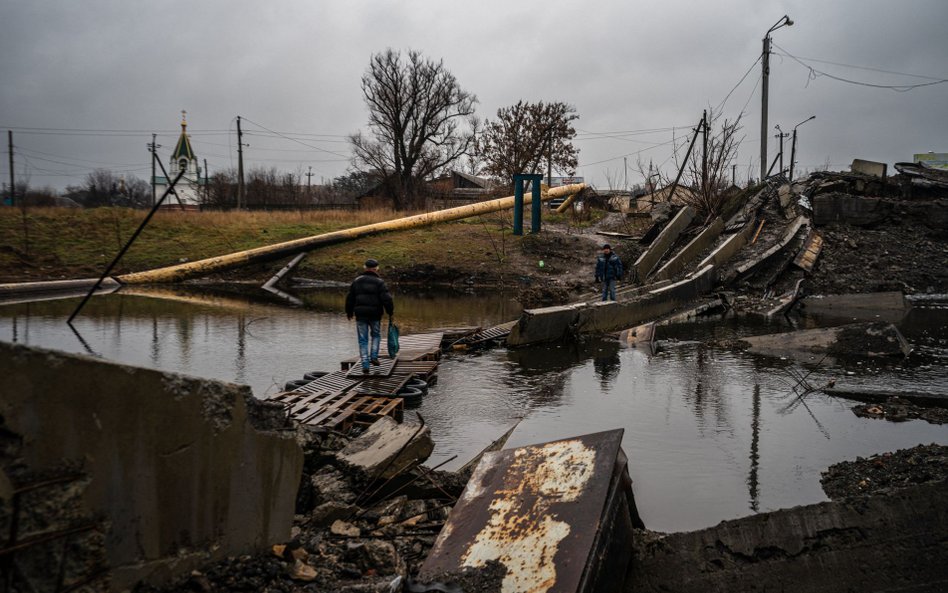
x=881, y=543
x=857, y=339
x=387, y=448
x=727, y=249
x=869, y=168
x=548, y=324
x=689, y=252
x=649, y=259
x=849, y=209
x=184, y=470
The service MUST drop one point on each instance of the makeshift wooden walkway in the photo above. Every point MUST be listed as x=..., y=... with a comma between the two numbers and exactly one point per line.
x=342, y=399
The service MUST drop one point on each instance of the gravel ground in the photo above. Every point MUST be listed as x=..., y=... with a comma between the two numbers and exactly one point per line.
x=883, y=473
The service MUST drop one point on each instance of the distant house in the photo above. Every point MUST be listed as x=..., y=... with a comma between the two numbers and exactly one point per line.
x=190, y=188
x=645, y=202
x=457, y=189
x=453, y=189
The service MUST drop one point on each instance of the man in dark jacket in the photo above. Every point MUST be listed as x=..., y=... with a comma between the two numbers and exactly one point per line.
x=368, y=297
x=608, y=270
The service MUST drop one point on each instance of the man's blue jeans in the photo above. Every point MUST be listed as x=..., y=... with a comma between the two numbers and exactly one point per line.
x=609, y=290
x=365, y=327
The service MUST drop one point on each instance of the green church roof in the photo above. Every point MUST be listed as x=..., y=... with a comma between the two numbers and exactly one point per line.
x=183, y=148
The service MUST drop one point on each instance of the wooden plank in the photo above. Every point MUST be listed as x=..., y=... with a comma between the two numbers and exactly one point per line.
x=811, y=249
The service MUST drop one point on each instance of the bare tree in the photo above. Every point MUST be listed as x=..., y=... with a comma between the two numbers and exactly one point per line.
x=417, y=117
x=523, y=137
x=709, y=197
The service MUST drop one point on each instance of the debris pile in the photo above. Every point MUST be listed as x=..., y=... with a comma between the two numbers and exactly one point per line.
x=365, y=524
x=887, y=472
x=898, y=409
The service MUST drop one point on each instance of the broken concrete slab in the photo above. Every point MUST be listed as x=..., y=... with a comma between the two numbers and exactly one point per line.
x=692, y=250
x=551, y=517
x=387, y=448
x=857, y=339
x=882, y=543
x=844, y=304
x=748, y=267
x=871, y=168
x=646, y=262
x=727, y=249
x=184, y=470
x=547, y=324
x=844, y=208
x=874, y=396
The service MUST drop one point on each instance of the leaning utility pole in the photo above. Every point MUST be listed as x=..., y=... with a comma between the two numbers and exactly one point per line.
x=240, y=165
x=765, y=65
x=12, y=180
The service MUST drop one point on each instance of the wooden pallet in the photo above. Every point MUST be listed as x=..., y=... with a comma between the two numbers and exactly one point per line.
x=383, y=369
x=368, y=409
x=411, y=347
x=382, y=386
x=423, y=369
x=334, y=382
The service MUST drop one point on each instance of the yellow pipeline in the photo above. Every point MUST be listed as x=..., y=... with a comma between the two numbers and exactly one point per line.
x=287, y=248
x=562, y=207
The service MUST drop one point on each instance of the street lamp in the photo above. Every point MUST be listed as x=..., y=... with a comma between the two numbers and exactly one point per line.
x=765, y=63
x=793, y=146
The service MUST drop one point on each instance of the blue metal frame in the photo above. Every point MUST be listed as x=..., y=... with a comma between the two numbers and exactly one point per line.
x=535, y=203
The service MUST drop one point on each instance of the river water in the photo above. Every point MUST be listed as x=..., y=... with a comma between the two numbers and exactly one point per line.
x=711, y=433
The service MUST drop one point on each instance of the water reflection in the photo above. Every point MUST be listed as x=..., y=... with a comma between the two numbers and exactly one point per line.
x=711, y=433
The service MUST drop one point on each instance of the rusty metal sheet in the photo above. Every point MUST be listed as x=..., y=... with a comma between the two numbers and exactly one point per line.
x=544, y=512
x=811, y=249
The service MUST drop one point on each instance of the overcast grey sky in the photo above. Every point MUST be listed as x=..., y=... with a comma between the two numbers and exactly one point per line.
x=295, y=66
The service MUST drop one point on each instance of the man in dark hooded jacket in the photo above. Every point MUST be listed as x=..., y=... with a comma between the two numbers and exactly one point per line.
x=608, y=270
x=368, y=298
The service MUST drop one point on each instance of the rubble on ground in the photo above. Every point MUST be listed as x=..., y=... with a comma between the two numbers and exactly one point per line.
x=352, y=532
x=886, y=472
x=897, y=409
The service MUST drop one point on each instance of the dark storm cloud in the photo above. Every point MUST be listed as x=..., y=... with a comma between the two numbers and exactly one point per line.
x=296, y=67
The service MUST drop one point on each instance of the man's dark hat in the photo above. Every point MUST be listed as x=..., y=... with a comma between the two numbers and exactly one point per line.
x=607, y=246
x=371, y=263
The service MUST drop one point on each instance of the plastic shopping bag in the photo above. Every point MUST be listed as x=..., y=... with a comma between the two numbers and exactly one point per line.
x=392, y=338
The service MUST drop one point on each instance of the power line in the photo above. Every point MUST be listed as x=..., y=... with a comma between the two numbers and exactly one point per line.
x=615, y=158
x=869, y=68
x=345, y=156
x=739, y=82
x=901, y=88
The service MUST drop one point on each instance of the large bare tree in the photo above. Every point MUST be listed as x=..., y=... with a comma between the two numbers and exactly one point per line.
x=526, y=137
x=420, y=121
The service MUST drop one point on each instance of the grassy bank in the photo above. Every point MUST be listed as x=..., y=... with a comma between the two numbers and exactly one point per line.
x=55, y=243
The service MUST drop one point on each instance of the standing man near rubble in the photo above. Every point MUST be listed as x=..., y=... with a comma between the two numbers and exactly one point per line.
x=608, y=270
x=368, y=298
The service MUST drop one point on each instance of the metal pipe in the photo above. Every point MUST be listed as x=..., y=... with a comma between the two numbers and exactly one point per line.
x=277, y=251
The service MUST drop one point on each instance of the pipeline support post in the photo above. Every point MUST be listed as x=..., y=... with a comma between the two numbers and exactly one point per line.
x=518, y=206
x=535, y=202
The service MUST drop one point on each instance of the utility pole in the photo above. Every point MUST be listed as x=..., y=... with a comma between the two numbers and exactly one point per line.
x=309, y=181
x=240, y=166
x=704, y=153
x=152, y=148
x=12, y=180
x=765, y=65
x=625, y=163
x=780, y=136
x=734, y=174
x=207, y=183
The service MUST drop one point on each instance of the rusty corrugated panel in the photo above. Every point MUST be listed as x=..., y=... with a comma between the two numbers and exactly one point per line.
x=556, y=516
x=806, y=259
